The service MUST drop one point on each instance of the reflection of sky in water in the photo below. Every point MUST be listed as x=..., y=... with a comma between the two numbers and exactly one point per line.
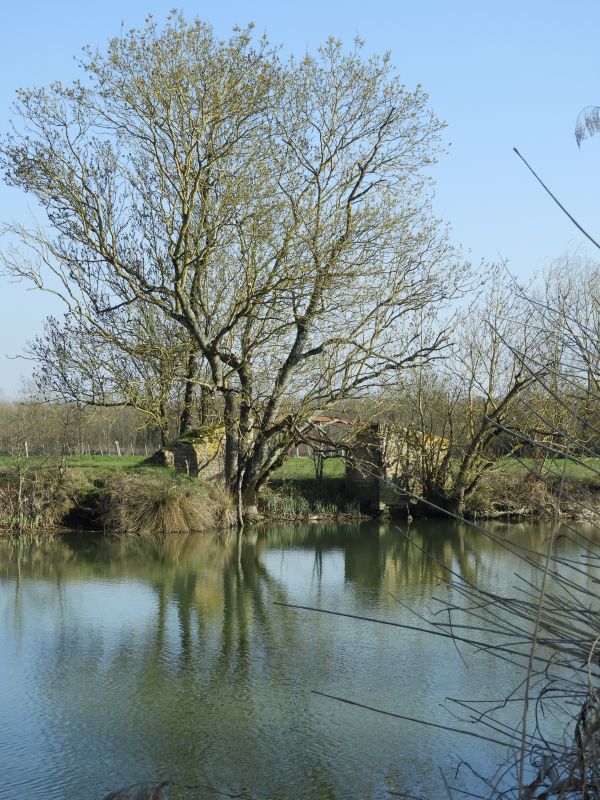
x=122, y=665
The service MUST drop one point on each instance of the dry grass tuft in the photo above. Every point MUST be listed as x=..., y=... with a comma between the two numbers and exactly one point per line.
x=225, y=511
x=159, y=502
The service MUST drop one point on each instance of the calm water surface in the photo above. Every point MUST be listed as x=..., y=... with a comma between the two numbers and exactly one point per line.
x=123, y=662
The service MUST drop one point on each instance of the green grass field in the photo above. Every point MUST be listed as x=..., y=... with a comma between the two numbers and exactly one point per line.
x=293, y=469
x=584, y=470
x=587, y=471
x=304, y=469
x=82, y=462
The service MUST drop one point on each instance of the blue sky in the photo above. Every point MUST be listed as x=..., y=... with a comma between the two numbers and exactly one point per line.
x=500, y=74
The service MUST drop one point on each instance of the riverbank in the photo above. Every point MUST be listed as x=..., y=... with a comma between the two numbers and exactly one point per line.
x=515, y=488
x=518, y=493
x=107, y=494
x=124, y=494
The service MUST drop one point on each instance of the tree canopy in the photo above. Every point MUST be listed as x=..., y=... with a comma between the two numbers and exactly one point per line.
x=278, y=211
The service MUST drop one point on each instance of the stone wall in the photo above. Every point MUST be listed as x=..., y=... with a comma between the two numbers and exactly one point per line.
x=199, y=459
x=201, y=453
x=373, y=469
x=363, y=469
x=162, y=458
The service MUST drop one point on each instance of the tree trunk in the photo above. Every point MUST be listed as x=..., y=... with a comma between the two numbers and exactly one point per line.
x=163, y=424
x=185, y=422
x=232, y=440
x=249, y=505
x=442, y=502
x=206, y=407
x=456, y=503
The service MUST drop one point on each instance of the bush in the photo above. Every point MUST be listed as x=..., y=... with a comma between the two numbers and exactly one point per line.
x=299, y=499
x=284, y=503
x=224, y=506
x=157, y=501
x=32, y=498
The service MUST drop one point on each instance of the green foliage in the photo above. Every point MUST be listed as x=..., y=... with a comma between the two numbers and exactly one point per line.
x=304, y=469
x=284, y=503
x=302, y=497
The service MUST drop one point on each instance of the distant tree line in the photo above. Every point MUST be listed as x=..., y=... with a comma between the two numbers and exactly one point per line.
x=34, y=428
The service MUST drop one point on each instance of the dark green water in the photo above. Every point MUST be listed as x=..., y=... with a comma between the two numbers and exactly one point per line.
x=123, y=662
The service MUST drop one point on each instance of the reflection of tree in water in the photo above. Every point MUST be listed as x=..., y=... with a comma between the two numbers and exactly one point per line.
x=204, y=578
x=211, y=662
x=189, y=668
x=206, y=581
x=248, y=595
x=417, y=555
x=428, y=553
x=386, y=556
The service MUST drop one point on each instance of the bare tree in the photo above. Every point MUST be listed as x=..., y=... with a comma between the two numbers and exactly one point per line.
x=131, y=356
x=567, y=307
x=278, y=212
x=455, y=418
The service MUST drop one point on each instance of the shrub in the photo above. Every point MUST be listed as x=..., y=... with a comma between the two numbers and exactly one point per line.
x=35, y=497
x=300, y=499
x=285, y=503
x=154, y=501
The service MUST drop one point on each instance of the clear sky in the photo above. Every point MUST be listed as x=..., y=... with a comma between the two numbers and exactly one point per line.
x=501, y=74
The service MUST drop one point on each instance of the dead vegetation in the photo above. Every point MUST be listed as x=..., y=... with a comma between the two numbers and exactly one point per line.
x=38, y=497
x=161, y=502
x=550, y=627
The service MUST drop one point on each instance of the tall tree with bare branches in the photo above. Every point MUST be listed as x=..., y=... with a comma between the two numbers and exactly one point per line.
x=277, y=211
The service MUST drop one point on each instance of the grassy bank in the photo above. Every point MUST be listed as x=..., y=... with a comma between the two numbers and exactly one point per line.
x=112, y=493
x=514, y=488
x=294, y=492
x=122, y=493
x=108, y=494
x=515, y=492
x=307, y=498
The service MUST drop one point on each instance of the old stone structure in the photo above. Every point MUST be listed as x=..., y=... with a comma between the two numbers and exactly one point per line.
x=372, y=472
x=381, y=459
x=378, y=457
x=162, y=458
x=200, y=453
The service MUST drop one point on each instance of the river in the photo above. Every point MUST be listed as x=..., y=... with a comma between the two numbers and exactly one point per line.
x=180, y=659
